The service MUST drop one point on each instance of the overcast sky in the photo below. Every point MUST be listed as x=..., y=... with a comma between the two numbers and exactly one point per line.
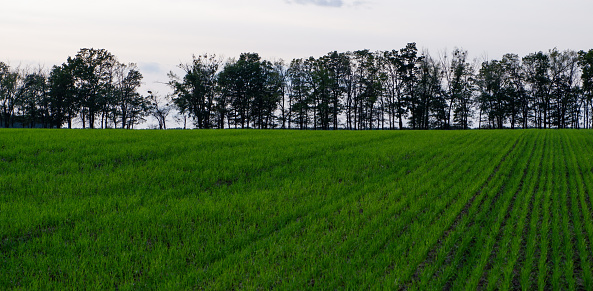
x=159, y=34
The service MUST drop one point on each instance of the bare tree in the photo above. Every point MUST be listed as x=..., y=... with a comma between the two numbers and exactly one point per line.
x=159, y=109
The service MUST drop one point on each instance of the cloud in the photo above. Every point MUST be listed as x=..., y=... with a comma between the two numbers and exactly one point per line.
x=326, y=3
x=150, y=68
x=330, y=3
x=361, y=3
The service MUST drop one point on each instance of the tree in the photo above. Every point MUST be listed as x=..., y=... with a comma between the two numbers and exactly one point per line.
x=236, y=80
x=408, y=74
x=462, y=88
x=353, y=90
x=254, y=89
x=367, y=87
x=537, y=80
x=126, y=101
x=299, y=90
x=391, y=63
x=493, y=101
x=320, y=93
x=586, y=64
x=34, y=103
x=268, y=96
x=563, y=73
x=284, y=104
x=63, y=103
x=337, y=68
x=195, y=92
x=11, y=91
x=513, y=86
x=459, y=88
x=159, y=110
x=432, y=106
x=90, y=85
x=92, y=72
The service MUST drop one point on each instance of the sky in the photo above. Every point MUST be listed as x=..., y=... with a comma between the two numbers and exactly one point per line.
x=160, y=34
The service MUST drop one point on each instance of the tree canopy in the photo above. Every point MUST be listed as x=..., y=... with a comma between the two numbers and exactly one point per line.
x=396, y=89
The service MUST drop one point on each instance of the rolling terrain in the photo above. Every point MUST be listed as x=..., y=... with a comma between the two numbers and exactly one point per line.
x=255, y=209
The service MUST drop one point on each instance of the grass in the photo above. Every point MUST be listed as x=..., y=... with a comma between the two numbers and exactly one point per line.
x=248, y=209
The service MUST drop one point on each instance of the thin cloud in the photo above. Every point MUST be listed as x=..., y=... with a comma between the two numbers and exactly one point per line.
x=150, y=68
x=330, y=3
x=361, y=3
x=326, y=3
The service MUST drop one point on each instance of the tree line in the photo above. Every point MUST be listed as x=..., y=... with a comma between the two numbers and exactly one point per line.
x=362, y=89
x=92, y=86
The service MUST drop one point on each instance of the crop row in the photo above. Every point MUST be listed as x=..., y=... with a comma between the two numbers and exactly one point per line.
x=296, y=209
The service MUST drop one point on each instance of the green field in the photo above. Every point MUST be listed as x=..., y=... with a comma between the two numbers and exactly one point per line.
x=247, y=209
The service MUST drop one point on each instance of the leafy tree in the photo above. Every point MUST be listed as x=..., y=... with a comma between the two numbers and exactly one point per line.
x=394, y=93
x=90, y=85
x=11, y=92
x=320, y=93
x=337, y=66
x=237, y=81
x=493, y=101
x=34, y=103
x=267, y=98
x=195, y=92
x=284, y=103
x=432, y=106
x=299, y=90
x=368, y=89
x=459, y=81
x=63, y=103
x=126, y=99
x=462, y=89
x=92, y=72
x=537, y=82
x=564, y=88
x=514, y=88
x=586, y=64
x=408, y=72
x=254, y=88
x=356, y=90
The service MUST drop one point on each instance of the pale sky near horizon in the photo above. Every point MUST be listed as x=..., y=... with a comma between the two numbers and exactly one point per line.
x=159, y=34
